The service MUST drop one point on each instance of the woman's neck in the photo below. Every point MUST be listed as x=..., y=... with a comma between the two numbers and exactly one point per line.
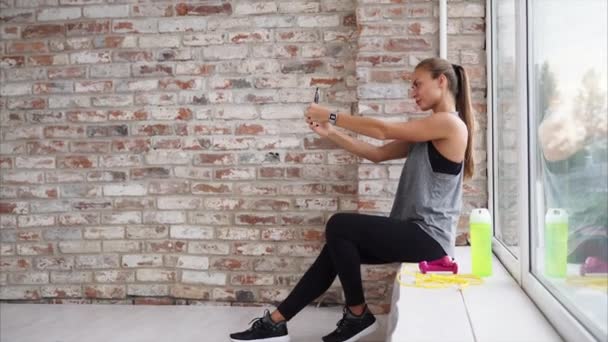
x=447, y=104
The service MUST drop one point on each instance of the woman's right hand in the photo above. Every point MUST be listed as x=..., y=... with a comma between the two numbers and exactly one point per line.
x=322, y=129
x=561, y=136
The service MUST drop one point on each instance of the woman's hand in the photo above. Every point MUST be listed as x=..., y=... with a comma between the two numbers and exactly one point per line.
x=317, y=113
x=561, y=136
x=322, y=129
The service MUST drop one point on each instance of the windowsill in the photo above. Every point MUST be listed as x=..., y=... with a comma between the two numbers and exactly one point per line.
x=497, y=310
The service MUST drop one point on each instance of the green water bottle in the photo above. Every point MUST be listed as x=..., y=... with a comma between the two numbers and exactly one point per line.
x=480, y=228
x=556, y=242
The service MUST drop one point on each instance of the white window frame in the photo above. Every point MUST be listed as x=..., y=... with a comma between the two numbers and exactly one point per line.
x=564, y=322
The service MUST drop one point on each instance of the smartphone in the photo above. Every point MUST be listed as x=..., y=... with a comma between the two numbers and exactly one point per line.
x=317, y=95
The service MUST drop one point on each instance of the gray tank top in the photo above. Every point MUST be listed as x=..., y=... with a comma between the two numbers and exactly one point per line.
x=430, y=199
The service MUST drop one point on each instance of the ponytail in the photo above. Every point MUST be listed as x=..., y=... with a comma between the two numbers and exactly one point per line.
x=465, y=111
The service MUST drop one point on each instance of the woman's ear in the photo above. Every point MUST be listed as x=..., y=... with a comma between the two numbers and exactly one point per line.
x=443, y=81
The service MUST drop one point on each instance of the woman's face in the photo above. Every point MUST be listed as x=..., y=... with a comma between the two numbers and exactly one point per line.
x=426, y=91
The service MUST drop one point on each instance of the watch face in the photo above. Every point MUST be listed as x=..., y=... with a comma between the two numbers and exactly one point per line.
x=332, y=118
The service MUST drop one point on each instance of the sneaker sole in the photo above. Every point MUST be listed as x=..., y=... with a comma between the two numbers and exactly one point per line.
x=364, y=332
x=271, y=339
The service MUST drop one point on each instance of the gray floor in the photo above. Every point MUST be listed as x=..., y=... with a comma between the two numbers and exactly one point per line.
x=139, y=323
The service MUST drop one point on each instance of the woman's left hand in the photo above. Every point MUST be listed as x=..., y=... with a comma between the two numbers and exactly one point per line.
x=317, y=113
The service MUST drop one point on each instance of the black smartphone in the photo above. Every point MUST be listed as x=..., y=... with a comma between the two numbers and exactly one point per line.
x=317, y=95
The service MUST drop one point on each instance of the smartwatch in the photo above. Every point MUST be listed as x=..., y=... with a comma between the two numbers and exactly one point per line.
x=333, y=117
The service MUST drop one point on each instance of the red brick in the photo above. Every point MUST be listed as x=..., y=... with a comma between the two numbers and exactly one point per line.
x=219, y=188
x=230, y=264
x=407, y=44
x=27, y=46
x=216, y=7
x=104, y=291
x=43, y=31
x=47, y=147
x=77, y=162
x=252, y=279
x=153, y=301
x=12, y=61
x=166, y=246
x=176, y=84
x=29, y=103
x=251, y=219
x=135, y=26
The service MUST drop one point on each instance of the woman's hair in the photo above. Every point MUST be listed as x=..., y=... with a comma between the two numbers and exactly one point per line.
x=458, y=83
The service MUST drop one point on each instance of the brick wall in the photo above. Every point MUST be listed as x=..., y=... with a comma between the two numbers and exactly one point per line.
x=155, y=152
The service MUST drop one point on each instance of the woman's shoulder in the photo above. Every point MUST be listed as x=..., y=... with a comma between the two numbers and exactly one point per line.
x=453, y=120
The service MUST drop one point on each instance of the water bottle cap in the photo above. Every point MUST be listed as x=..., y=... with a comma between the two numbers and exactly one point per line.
x=556, y=215
x=480, y=215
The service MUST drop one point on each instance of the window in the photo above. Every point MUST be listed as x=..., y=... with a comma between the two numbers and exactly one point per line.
x=568, y=56
x=507, y=127
x=549, y=114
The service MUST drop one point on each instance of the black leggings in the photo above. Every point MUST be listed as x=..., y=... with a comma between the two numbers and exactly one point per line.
x=354, y=239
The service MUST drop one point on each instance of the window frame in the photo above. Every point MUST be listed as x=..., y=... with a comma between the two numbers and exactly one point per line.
x=557, y=313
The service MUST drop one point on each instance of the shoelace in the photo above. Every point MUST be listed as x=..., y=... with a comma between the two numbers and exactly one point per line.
x=437, y=281
x=258, y=322
x=343, y=323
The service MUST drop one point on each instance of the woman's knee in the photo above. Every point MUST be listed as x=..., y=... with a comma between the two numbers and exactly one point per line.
x=335, y=224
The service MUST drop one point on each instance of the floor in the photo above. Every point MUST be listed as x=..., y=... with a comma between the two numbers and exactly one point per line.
x=139, y=323
x=496, y=311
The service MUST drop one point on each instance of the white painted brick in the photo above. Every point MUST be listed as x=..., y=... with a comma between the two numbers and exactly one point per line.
x=167, y=157
x=319, y=21
x=106, y=11
x=15, y=89
x=202, y=39
x=191, y=232
x=178, y=203
x=159, y=41
x=63, y=13
x=158, y=275
x=142, y=260
x=126, y=217
x=165, y=217
x=207, y=278
x=80, y=246
x=132, y=189
x=248, y=8
x=193, y=262
x=182, y=24
x=90, y=57
x=29, y=278
x=152, y=290
x=225, y=52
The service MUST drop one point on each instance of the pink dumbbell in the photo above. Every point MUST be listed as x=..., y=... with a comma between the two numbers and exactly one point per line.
x=445, y=264
x=594, y=265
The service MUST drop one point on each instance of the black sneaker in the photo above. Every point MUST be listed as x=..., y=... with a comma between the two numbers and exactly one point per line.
x=351, y=328
x=263, y=329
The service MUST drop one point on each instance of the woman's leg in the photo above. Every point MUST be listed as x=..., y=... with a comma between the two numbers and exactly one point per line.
x=380, y=239
x=317, y=279
x=354, y=239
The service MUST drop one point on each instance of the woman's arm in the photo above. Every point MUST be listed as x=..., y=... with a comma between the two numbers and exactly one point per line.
x=432, y=127
x=392, y=150
x=561, y=136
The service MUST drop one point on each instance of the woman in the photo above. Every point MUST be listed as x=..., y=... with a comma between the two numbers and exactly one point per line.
x=422, y=223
